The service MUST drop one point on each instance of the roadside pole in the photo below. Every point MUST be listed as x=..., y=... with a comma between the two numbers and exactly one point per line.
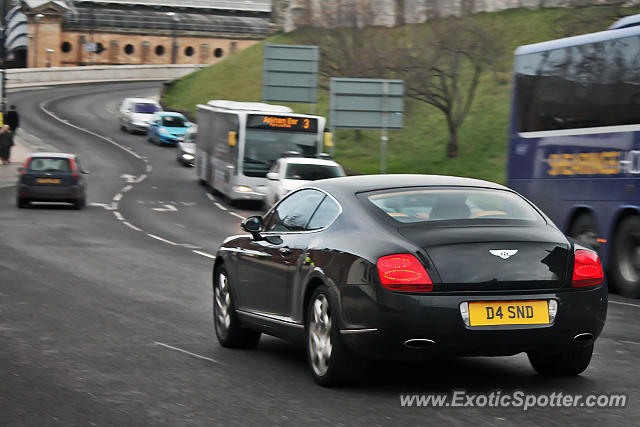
x=3, y=53
x=384, y=138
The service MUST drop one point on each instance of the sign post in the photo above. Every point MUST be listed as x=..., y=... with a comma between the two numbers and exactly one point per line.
x=367, y=104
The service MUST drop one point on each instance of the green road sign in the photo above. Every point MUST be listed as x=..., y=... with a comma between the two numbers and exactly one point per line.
x=290, y=73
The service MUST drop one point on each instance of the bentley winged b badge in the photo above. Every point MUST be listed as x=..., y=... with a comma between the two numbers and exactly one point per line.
x=503, y=253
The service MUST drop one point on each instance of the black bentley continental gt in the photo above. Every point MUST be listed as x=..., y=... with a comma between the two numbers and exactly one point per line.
x=409, y=267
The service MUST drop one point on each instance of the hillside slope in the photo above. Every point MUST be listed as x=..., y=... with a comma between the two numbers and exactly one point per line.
x=420, y=146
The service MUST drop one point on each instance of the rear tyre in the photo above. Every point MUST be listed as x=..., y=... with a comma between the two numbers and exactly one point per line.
x=79, y=204
x=625, y=265
x=570, y=363
x=22, y=203
x=229, y=331
x=330, y=361
x=584, y=230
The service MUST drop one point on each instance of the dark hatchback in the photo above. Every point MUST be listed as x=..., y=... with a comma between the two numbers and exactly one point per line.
x=410, y=267
x=51, y=177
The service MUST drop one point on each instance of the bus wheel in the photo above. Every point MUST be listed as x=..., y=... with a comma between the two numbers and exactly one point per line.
x=625, y=268
x=583, y=230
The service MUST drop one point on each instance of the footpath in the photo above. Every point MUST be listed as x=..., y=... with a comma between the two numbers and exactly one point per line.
x=24, y=145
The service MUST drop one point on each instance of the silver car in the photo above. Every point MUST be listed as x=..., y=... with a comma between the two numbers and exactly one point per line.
x=136, y=114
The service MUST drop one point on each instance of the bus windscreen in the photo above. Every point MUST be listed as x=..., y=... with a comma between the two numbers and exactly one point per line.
x=263, y=147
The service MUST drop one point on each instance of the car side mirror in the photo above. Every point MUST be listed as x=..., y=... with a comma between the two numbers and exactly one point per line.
x=85, y=171
x=273, y=176
x=21, y=169
x=253, y=225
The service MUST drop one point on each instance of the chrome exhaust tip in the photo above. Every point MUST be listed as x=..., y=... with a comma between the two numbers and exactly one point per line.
x=583, y=338
x=419, y=343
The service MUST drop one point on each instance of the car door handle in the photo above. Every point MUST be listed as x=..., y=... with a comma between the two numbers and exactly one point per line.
x=285, y=250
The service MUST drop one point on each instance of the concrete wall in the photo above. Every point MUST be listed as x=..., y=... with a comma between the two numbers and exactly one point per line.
x=22, y=77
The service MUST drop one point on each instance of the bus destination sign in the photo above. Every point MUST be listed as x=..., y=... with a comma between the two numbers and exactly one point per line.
x=290, y=123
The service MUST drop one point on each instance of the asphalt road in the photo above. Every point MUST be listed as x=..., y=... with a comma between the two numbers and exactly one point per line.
x=105, y=313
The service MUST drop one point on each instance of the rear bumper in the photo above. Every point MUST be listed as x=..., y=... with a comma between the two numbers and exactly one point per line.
x=168, y=141
x=380, y=329
x=50, y=193
x=139, y=127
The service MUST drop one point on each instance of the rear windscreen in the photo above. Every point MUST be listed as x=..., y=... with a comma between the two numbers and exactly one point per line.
x=49, y=164
x=310, y=172
x=173, y=122
x=146, y=108
x=419, y=205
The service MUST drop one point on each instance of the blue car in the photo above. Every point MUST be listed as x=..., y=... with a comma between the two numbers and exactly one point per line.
x=168, y=128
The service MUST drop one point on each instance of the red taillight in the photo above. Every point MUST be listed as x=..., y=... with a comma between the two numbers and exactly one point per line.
x=25, y=166
x=587, y=270
x=403, y=272
x=74, y=173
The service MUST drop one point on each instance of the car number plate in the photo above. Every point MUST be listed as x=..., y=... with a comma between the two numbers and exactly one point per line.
x=48, y=180
x=491, y=313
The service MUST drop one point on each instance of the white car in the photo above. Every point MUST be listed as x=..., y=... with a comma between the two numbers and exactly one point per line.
x=289, y=173
x=136, y=114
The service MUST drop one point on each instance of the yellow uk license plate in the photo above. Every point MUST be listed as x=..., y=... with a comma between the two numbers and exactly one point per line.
x=48, y=180
x=491, y=313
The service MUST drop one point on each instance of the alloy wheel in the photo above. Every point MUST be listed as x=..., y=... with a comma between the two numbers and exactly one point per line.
x=319, y=341
x=223, y=304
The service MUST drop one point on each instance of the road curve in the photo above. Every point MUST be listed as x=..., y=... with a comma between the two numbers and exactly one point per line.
x=105, y=313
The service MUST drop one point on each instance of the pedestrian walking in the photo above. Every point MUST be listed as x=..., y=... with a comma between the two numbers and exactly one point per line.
x=6, y=142
x=13, y=119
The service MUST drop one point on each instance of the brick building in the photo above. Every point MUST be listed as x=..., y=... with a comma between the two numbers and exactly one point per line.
x=114, y=32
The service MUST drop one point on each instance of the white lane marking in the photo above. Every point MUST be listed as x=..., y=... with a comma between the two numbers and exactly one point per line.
x=188, y=246
x=629, y=342
x=624, y=303
x=149, y=168
x=114, y=206
x=237, y=215
x=102, y=205
x=129, y=178
x=153, y=236
x=133, y=227
x=97, y=135
x=127, y=188
x=167, y=208
x=210, y=197
x=117, y=197
x=197, y=356
x=118, y=215
x=141, y=178
x=205, y=254
x=220, y=206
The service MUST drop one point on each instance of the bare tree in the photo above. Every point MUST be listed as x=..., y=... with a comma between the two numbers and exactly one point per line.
x=350, y=44
x=442, y=65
